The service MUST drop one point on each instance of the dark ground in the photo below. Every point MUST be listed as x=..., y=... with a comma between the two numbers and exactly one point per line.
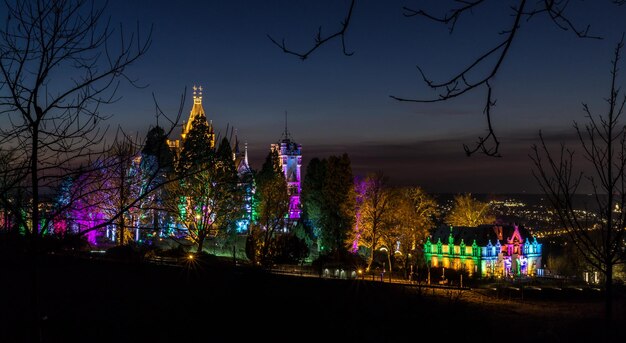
x=86, y=300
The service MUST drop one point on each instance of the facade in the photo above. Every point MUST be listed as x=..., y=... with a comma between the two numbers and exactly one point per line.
x=246, y=182
x=290, y=157
x=486, y=250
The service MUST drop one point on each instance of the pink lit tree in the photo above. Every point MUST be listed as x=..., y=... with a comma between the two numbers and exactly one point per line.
x=375, y=216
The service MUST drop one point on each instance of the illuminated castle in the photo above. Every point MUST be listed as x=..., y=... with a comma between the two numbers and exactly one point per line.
x=489, y=251
x=246, y=182
x=196, y=110
x=290, y=157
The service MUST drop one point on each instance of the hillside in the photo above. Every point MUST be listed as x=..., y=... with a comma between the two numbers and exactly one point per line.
x=92, y=301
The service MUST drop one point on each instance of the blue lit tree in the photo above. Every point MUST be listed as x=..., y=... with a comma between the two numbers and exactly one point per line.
x=157, y=167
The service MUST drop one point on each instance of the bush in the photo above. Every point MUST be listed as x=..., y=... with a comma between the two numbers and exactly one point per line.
x=341, y=259
x=126, y=253
x=177, y=252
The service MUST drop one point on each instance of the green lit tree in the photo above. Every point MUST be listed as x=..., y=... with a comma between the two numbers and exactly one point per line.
x=312, y=195
x=338, y=213
x=192, y=203
x=328, y=200
x=208, y=200
x=196, y=152
x=229, y=198
x=272, y=207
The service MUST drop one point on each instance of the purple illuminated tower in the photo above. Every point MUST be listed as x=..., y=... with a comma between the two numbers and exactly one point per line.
x=290, y=157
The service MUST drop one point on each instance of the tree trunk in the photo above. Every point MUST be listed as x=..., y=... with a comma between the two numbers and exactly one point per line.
x=35, y=188
x=608, y=296
x=200, y=243
x=371, y=258
x=122, y=228
x=35, y=231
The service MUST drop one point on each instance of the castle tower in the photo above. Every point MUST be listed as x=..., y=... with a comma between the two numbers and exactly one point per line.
x=196, y=110
x=290, y=158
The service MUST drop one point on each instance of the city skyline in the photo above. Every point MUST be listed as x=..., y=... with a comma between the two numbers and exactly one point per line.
x=337, y=103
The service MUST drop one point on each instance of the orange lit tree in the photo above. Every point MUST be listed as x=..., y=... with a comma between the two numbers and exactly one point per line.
x=468, y=211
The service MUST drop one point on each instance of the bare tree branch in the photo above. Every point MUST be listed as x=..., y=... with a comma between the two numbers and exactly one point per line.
x=449, y=19
x=319, y=39
x=461, y=83
x=599, y=234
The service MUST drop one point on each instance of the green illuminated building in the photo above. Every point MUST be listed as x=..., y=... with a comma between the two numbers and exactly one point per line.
x=486, y=250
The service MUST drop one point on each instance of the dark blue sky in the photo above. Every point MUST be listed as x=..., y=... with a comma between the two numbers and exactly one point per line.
x=339, y=104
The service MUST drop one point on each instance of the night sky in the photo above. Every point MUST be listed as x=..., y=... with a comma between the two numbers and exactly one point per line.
x=339, y=104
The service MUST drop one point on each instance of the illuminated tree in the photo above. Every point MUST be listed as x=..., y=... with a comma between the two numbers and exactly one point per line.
x=599, y=233
x=339, y=202
x=272, y=207
x=107, y=194
x=230, y=198
x=57, y=67
x=312, y=196
x=157, y=161
x=467, y=211
x=122, y=186
x=207, y=199
x=328, y=200
x=376, y=216
x=414, y=213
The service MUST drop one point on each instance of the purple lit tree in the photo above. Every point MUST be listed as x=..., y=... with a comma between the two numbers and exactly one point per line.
x=375, y=214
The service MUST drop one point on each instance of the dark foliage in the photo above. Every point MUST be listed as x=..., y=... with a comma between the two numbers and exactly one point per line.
x=290, y=249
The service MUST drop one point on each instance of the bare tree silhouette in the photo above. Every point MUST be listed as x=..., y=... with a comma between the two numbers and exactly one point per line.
x=59, y=62
x=599, y=233
x=58, y=66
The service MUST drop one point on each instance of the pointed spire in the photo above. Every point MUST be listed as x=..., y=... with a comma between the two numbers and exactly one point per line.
x=246, y=153
x=196, y=110
x=286, y=133
x=236, y=148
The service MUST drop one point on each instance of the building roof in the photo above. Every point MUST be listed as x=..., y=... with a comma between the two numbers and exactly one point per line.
x=482, y=234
